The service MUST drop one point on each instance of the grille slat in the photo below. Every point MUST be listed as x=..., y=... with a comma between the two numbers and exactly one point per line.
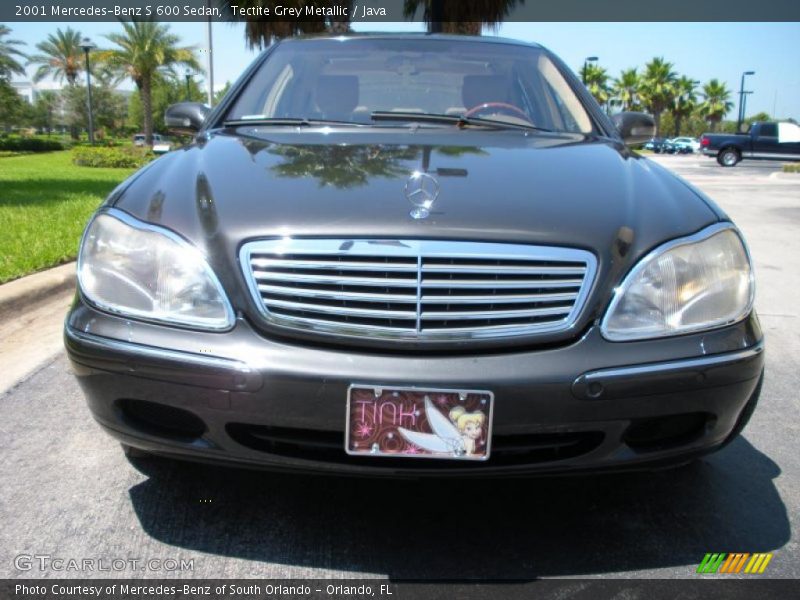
x=341, y=295
x=501, y=284
x=341, y=310
x=497, y=298
x=494, y=314
x=338, y=265
x=417, y=289
x=502, y=269
x=334, y=279
x=347, y=328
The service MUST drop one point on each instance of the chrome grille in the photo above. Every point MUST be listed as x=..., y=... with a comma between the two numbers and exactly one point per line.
x=417, y=289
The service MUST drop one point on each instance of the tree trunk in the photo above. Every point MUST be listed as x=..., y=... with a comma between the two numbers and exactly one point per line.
x=146, y=95
x=657, y=119
x=73, y=127
x=341, y=25
x=678, y=120
x=462, y=27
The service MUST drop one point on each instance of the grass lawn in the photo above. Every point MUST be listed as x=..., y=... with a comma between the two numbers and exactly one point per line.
x=45, y=202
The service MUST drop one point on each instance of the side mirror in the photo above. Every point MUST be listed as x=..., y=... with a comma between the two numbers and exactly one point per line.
x=186, y=117
x=634, y=127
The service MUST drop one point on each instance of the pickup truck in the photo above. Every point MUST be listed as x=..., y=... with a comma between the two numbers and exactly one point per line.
x=772, y=141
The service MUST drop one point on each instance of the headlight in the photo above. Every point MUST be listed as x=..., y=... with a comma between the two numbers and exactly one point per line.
x=140, y=270
x=700, y=282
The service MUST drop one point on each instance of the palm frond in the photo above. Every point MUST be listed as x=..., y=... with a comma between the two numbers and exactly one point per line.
x=60, y=56
x=9, y=53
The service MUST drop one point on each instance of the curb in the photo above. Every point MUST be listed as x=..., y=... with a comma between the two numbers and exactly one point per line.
x=22, y=293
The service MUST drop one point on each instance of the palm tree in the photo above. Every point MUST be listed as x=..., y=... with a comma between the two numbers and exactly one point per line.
x=685, y=101
x=260, y=33
x=8, y=51
x=466, y=18
x=596, y=79
x=716, y=102
x=143, y=48
x=450, y=17
x=61, y=56
x=658, y=88
x=626, y=89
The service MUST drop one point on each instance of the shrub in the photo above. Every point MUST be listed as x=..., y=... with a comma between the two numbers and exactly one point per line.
x=124, y=157
x=15, y=144
x=791, y=168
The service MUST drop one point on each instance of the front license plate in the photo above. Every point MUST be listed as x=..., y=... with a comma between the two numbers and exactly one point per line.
x=418, y=423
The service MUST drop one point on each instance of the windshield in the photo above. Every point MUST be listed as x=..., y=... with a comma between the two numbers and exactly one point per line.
x=349, y=80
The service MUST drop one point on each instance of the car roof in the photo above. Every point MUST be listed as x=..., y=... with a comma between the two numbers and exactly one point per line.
x=410, y=36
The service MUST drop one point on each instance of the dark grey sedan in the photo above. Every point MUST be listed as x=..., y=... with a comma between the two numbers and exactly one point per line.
x=414, y=255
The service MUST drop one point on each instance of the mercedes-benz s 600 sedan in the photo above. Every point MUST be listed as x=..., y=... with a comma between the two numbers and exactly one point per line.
x=414, y=255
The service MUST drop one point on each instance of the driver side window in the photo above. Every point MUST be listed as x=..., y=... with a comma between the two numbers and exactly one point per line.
x=566, y=110
x=768, y=130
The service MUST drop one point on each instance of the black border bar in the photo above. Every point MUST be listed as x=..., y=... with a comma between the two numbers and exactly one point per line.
x=378, y=11
x=701, y=587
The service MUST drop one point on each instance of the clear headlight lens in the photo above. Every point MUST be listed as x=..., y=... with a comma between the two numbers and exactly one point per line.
x=143, y=271
x=702, y=282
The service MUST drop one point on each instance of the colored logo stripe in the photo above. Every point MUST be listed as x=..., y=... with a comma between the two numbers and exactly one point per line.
x=711, y=563
x=734, y=562
x=758, y=563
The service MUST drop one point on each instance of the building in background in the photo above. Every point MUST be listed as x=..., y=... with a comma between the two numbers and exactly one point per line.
x=30, y=90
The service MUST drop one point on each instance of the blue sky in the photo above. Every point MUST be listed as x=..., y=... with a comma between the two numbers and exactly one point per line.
x=700, y=50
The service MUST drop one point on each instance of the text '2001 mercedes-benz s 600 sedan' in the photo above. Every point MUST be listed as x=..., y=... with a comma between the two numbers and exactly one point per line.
x=414, y=255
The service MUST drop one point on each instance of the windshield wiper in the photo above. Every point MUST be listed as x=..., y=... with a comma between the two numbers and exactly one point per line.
x=459, y=120
x=287, y=121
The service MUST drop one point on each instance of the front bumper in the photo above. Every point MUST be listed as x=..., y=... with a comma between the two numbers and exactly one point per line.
x=238, y=397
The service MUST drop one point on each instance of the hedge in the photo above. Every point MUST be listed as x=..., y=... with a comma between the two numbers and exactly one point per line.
x=791, y=168
x=14, y=144
x=125, y=157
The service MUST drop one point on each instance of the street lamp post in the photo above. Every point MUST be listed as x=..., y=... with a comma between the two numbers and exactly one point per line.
x=586, y=62
x=87, y=46
x=210, y=58
x=741, y=100
x=188, y=79
x=744, y=105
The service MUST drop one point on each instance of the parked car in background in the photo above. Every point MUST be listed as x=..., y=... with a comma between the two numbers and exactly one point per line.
x=660, y=146
x=649, y=144
x=764, y=140
x=162, y=145
x=139, y=139
x=408, y=255
x=685, y=145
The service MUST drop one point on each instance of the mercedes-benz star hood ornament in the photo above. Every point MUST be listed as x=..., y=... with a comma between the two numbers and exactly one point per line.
x=421, y=190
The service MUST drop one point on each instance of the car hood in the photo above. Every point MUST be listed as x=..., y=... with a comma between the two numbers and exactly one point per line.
x=506, y=186
x=494, y=186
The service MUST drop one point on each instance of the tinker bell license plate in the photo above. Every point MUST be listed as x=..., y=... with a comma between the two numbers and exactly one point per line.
x=418, y=423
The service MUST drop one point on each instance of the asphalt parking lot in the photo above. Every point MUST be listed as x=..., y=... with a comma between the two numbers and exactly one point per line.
x=68, y=492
